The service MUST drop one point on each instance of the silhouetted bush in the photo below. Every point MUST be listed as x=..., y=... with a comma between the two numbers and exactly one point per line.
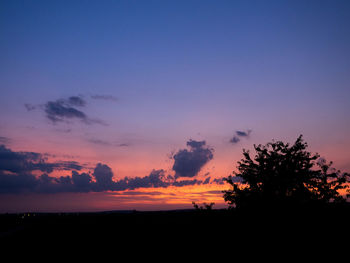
x=207, y=207
x=281, y=175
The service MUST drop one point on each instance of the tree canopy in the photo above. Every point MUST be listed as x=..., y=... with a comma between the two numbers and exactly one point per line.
x=282, y=174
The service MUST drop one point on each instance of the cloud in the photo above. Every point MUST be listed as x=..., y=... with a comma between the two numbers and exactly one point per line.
x=188, y=163
x=219, y=181
x=76, y=101
x=18, y=173
x=187, y=182
x=235, y=179
x=196, y=144
x=238, y=134
x=16, y=183
x=123, y=144
x=104, y=177
x=82, y=181
x=243, y=133
x=140, y=193
x=16, y=170
x=4, y=140
x=100, y=180
x=18, y=162
x=67, y=165
x=107, y=143
x=105, y=97
x=207, y=180
x=59, y=110
x=156, y=178
x=65, y=110
x=234, y=139
x=30, y=107
x=64, y=130
x=99, y=142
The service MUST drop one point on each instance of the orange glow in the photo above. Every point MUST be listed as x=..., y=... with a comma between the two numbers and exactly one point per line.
x=180, y=196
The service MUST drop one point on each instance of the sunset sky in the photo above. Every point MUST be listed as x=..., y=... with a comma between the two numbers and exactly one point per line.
x=147, y=105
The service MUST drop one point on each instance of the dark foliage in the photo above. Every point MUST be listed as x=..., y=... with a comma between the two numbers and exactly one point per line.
x=283, y=175
x=205, y=206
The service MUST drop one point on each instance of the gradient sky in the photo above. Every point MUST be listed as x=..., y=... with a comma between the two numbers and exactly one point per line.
x=154, y=74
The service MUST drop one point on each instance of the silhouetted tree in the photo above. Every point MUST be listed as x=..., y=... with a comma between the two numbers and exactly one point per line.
x=281, y=174
x=205, y=206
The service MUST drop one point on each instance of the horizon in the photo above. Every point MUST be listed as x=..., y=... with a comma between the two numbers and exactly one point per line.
x=147, y=105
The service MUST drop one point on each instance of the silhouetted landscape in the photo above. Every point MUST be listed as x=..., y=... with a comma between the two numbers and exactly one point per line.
x=136, y=226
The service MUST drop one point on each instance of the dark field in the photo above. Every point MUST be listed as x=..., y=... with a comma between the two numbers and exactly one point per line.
x=310, y=224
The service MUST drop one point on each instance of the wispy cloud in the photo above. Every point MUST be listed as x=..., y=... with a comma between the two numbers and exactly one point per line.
x=30, y=107
x=76, y=101
x=243, y=133
x=234, y=139
x=238, y=135
x=66, y=110
x=60, y=110
x=107, y=143
x=4, y=140
x=104, y=97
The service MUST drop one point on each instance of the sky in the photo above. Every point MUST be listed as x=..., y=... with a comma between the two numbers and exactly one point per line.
x=147, y=105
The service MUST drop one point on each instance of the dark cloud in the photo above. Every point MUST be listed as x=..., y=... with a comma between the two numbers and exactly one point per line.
x=187, y=182
x=243, y=133
x=104, y=178
x=207, y=180
x=58, y=111
x=49, y=184
x=30, y=107
x=76, y=101
x=139, y=193
x=236, y=138
x=18, y=162
x=17, y=183
x=82, y=181
x=188, y=163
x=65, y=110
x=67, y=165
x=107, y=143
x=18, y=169
x=105, y=97
x=156, y=178
x=218, y=181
